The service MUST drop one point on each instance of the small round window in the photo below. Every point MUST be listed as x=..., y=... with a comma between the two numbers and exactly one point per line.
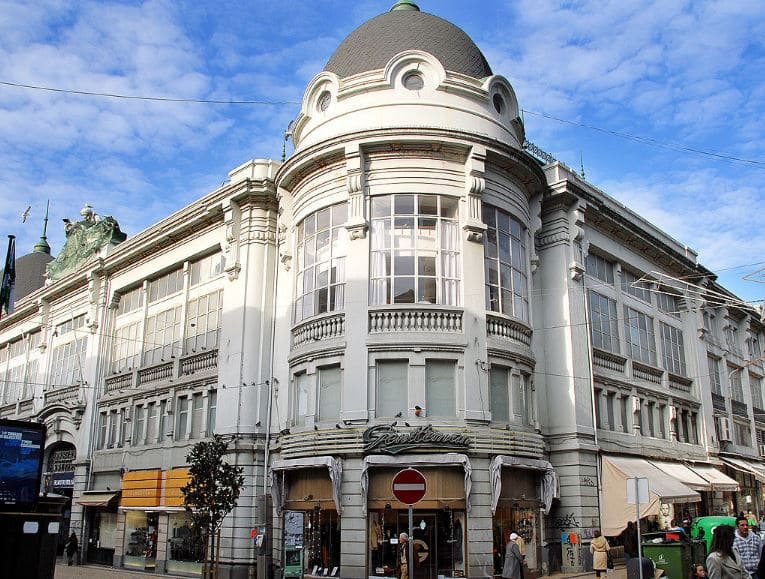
x=414, y=81
x=324, y=101
x=499, y=103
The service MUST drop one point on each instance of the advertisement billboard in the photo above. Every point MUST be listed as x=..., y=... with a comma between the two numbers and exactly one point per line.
x=21, y=457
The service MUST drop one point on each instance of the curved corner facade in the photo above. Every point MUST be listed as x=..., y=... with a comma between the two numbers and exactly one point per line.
x=411, y=288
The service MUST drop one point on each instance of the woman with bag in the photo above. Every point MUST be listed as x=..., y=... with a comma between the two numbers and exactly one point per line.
x=599, y=548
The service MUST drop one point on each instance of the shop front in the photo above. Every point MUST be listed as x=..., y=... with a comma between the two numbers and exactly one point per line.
x=306, y=493
x=750, y=477
x=522, y=489
x=101, y=514
x=158, y=535
x=185, y=547
x=139, y=507
x=669, y=497
x=439, y=518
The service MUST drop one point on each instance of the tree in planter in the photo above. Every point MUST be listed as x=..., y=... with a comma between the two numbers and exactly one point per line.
x=211, y=494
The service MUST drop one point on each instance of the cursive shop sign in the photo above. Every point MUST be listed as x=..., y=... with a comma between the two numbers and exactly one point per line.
x=386, y=439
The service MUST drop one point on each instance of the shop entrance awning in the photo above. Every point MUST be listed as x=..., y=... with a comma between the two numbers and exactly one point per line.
x=718, y=480
x=684, y=474
x=662, y=487
x=745, y=466
x=99, y=498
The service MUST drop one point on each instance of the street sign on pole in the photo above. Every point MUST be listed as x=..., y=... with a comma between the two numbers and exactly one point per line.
x=637, y=491
x=409, y=486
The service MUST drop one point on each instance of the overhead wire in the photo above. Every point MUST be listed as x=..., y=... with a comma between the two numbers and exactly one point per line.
x=679, y=147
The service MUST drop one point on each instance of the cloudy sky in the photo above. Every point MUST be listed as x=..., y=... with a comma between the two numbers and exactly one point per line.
x=663, y=101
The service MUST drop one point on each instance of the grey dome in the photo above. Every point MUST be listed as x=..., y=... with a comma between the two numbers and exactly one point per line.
x=375, y=42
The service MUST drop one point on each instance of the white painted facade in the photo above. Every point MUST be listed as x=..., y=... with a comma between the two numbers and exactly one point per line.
x=394, y=180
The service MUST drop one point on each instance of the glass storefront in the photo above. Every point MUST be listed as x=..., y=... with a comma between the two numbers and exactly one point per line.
x=140, y=544
x=312, y=543
x=438, y=536
x=518, y=512
x=103, y=536
x=185, y=545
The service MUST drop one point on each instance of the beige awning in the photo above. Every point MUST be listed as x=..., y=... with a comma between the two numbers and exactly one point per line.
x=98, y=498
x=719, y=481
x=745, y=466
x=662, y=488
x=684, y=474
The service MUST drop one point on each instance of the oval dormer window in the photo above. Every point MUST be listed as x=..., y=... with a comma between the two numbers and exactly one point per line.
x=499, y=103
x=324, y=101
x=413, y=81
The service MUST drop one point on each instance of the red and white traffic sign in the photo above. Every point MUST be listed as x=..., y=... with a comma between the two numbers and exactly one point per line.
x=409, y=486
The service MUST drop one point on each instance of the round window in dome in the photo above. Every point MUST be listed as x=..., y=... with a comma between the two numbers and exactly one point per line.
x=324, y=101
x=413, y=81
x=499, y=103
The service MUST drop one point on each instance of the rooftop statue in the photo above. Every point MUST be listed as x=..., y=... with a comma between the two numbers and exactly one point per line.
x=83, y=239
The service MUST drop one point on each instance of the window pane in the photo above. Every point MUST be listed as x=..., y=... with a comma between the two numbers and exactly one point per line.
x=329, y=393
x=500, y=397
x=440, y=389
x=392, y=392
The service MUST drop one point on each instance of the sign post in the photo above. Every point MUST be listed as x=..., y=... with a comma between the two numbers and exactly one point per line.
x=409, y=487
x=637, y=492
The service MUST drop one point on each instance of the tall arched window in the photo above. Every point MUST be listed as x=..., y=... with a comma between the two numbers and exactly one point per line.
x=321, y=250
x=505, y=264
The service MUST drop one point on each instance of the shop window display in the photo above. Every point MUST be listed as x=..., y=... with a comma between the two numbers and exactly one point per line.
x=438, y=536
x=103, y=537
x=141, y=539
x=185, y=545
x=519, y=519
x=312, y=543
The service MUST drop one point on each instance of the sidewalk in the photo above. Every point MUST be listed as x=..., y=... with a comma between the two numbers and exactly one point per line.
x=98, y=572
x=63, y=571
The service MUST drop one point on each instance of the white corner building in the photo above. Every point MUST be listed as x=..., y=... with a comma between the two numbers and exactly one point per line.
x=414, y=286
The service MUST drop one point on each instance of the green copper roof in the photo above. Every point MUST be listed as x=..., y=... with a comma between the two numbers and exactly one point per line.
x=405, y=5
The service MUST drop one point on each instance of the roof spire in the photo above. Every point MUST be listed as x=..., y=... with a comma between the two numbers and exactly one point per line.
x=42, y=245
x=405, y=5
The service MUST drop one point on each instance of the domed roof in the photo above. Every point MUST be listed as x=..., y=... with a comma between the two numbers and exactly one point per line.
x=375, y=42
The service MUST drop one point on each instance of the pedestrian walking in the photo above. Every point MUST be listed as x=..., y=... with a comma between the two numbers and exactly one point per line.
x=748, y=545
x=403, y=556
x=630, y=542
x=512, y=568
x=723, y=562
x=71, y=548
x=599, y=548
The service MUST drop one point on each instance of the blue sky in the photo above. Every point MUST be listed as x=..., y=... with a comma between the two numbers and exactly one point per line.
x=676, y=74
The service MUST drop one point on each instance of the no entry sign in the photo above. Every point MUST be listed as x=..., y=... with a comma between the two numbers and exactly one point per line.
x=409, y=486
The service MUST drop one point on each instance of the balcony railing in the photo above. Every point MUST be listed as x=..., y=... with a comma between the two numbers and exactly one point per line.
x=199, y=363
x=718, y=402
x=609, y=361
x=414, y=319
x=647, y=373
x=508, y=329
x=186, y=365
x=66, y=394
x=739, y=408
x=119, y=382
x=680, y=383
x=316, y=329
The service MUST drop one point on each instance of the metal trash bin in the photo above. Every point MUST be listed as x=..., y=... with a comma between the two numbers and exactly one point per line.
x=670, y=552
